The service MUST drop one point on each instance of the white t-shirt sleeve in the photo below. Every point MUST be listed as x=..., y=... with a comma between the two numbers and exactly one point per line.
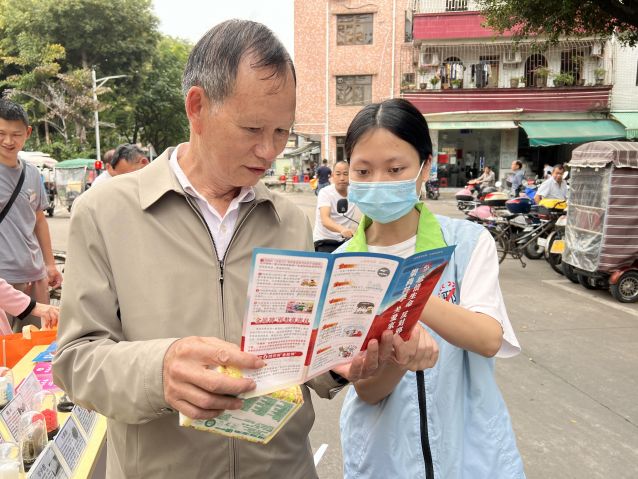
x=481, y=291
x=324, y=198
x=543, y=189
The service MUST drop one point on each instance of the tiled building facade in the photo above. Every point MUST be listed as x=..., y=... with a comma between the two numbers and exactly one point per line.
x=356, y=63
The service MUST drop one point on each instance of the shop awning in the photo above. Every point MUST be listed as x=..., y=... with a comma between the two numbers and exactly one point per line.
x=300, y=150
x=550, y=133
x=629, y=121
x=472, y=125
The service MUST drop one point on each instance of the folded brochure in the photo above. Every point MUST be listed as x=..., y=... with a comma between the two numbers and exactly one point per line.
x=310, y=312
x=259, y=419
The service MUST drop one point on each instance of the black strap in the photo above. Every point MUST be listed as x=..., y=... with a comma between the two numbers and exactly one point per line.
x=14, y=195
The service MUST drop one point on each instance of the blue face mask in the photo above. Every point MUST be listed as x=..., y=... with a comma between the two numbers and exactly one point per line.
x=384, y=201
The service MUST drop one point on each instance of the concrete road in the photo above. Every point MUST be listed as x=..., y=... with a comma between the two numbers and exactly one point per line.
x=572, y=393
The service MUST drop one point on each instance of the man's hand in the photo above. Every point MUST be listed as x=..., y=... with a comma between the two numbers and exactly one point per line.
x=417, y=353
x=191, y=384
x=54, y=276
x=347, y=233
x=48, y=315
x=369, y=362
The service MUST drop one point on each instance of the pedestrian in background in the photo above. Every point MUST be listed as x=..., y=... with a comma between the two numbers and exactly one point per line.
x=323, y=176
x=125, y=158
x=26, y=257
x=331, y=227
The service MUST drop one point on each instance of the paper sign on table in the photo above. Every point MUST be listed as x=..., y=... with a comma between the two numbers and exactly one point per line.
x=85, y=418
x=46, y=355
x=70, y=442
x=11, y=413
x=309, y=312
x=28, y=388
x=49, y=465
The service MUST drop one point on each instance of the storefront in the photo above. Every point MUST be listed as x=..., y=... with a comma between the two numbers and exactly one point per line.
x=464, y=148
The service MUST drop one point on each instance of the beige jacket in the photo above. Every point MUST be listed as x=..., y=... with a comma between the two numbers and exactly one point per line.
x=141, y=272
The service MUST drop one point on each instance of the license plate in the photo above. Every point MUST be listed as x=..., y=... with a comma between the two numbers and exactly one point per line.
x=542, y=242
x=558, y=246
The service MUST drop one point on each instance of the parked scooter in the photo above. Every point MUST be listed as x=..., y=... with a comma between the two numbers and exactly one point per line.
x=432, y=189
x=471, y=196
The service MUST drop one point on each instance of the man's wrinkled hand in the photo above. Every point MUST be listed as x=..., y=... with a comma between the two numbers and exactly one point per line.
x=193, y=386
x=369, y=362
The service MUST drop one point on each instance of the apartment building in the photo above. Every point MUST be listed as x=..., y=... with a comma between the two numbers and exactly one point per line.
x=487, y=99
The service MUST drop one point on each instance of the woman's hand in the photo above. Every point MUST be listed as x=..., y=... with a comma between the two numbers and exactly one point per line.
x=48, y=315
x=417, y=353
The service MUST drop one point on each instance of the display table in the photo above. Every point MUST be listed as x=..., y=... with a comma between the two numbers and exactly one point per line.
x=97, y=439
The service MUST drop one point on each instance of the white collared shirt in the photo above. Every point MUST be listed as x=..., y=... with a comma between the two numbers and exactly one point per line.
x=221, y=227
x=551, y=190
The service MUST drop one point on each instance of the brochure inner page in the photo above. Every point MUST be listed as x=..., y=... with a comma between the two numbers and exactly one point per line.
x=355, y=291
x=283, y=298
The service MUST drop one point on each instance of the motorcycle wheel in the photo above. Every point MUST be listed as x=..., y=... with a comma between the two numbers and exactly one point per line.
x=533, y=251
x=554, y=259
x=626, y=289
x=584, y=281
x=501, y=246
x=568, y=270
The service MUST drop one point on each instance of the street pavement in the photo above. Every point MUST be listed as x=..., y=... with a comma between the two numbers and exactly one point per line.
x=572, y=392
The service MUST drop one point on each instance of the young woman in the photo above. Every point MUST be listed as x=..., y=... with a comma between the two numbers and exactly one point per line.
x=450, y=421
x=21, y=305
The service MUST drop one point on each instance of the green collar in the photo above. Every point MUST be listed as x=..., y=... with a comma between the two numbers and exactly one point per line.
x=428, y=235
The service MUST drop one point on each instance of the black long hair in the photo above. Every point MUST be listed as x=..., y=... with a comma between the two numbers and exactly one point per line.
x=398, y=116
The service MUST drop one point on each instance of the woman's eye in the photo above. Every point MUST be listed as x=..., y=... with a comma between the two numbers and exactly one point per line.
x=361, y=172
x=397, y=169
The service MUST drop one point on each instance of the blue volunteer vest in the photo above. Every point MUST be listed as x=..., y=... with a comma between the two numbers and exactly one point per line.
x=468, y=425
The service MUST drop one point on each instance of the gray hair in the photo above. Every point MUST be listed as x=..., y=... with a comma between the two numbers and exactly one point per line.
x=128, y=152
x=214, y=61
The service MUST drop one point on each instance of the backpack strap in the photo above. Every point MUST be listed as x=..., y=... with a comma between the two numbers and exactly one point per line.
x=14, y=195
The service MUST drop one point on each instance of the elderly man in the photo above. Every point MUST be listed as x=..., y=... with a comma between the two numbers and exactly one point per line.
x=124, y=159
x=553, y=188
x=156, y=282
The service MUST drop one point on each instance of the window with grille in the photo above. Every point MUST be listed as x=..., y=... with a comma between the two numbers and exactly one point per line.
x=354, y=29
x=455, y=5
x=354, y=90
x=571, y=63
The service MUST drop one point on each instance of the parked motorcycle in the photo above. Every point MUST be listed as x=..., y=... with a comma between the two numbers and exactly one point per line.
x=432, y=189
x=471, y=196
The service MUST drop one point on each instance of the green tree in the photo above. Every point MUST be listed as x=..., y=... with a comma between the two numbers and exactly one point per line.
x=550, y=19
x=155, y=114
x=114, y=36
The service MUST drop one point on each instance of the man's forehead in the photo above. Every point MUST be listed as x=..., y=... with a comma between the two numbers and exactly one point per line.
x=12, y=125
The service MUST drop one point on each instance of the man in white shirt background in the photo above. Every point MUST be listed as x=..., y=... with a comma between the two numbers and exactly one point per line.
x=125, y=159
x=553, y=188
x=331, y=227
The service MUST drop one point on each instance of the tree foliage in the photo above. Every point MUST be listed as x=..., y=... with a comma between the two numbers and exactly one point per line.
x=550, y=19
x=47, y=49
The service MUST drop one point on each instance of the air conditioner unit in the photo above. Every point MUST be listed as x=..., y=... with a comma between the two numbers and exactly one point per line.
x=596, y=50
x=429, y=59
x=512, y=57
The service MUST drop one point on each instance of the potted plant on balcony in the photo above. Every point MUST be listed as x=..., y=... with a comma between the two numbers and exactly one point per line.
x=563, y=79
x=458, y=83
x=540, y=76
x=521, y=82
x=599, y=73
x=514, y=82
x=434, y=81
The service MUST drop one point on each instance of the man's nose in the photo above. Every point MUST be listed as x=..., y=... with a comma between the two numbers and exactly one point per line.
x=266, y=149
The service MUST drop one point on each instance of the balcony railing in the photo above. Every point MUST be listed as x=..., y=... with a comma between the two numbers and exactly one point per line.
x=530, y=100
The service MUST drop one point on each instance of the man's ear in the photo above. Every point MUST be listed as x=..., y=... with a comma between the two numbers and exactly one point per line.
x=197, y=105
x=29, y=131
